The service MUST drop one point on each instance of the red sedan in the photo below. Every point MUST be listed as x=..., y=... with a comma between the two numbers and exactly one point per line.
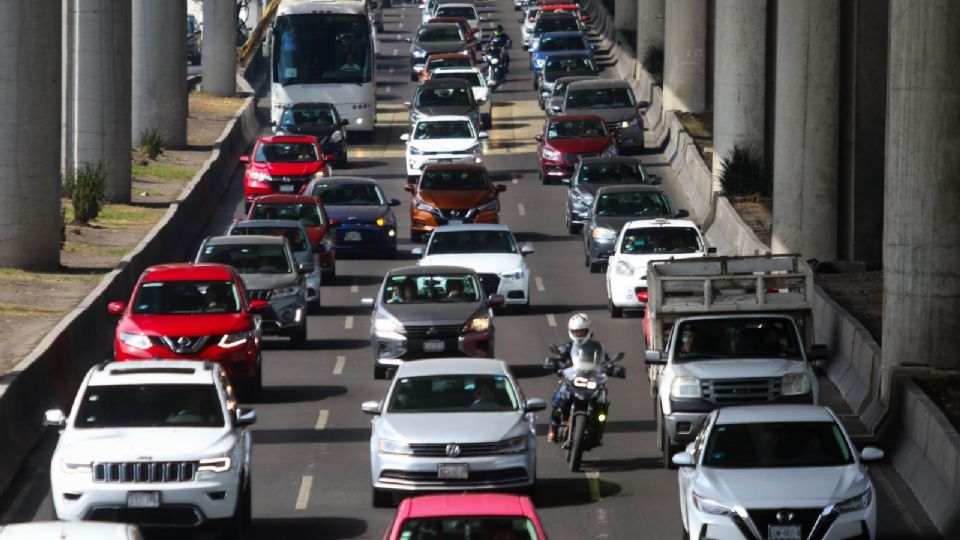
x=283, y=164
x=310, y=212
x=466, y=515
x=192, y=312
x=566, y=139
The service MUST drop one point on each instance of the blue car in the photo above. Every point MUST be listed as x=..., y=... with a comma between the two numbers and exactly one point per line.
x=559, y=42
x=364, y=222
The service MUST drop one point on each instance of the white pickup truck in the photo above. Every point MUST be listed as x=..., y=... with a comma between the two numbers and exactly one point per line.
x=726, y=331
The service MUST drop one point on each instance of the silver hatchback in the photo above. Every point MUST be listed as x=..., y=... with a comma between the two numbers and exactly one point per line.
x=452, y=424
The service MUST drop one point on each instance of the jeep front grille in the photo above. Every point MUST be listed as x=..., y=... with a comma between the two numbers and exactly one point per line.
x=145, y=472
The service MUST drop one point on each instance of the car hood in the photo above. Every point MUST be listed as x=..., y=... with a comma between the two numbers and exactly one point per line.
x=442, y=46
x=444, y=145
x=267, y=281
x=317, y=130
x=356, y=214
x=579, y=145
x=185, y=325
x=135, y=444
x=764, y=488
x=290, y=169
x=608, y=115
x=455, y=198
x=739, y=368
x=445, y=110
x=439, y=314
x=459, y=427
x=481, y=263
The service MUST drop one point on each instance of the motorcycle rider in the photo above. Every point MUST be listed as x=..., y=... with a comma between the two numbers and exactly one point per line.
x=583, y=353
x=501, y=40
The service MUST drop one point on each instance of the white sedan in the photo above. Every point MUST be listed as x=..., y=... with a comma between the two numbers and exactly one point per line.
x=490, y=250
x=643, y=241
x=785, y=472
x=442, y=139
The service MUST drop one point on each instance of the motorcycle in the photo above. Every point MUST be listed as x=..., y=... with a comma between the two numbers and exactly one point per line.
x=589, y=404
x=495, y=58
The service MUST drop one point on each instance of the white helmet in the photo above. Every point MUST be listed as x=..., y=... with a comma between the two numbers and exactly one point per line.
x=579, y=328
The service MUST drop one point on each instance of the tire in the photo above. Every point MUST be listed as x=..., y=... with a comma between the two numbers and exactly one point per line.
x=380, y=498
x=298, y=337
x=543, y=179
x=416, y=236
x=586, y=260
x=238, y=525
x=313, y=308
x=249, y=389
x=579, y=427
x=615, y=312
x=666, y=449
x=379, y=372
x=594, y=266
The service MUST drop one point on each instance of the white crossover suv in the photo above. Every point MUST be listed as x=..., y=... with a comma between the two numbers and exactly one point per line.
x=442, y=139
x=154, y=443
x=786, y=472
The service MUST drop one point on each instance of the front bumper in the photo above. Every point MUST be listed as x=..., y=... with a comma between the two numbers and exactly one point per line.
x=423, y=221
x=313, y=286
x=416, y=163
x=850, y=526
x=578, y=212
x=366, y=238
x=558, y=169
x=600, y=251
x=515, y=291
x=630, y=138
x=409, y=473
x=238, y=363
x=284, y=314
x=391, y=349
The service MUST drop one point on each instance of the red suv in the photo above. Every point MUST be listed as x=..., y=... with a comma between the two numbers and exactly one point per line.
x=566, y=139
x=192, y=312
x=310, y=212
x=283, y=164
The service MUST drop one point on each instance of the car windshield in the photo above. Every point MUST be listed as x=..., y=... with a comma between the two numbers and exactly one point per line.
x=556, y=24
x=186, y=298
x=286, y=153
x=321, y=116
x=342, y=194
x=566, y=129
x=472, y=78
x=431, y=289
x=661, y=240
x=249, y=258
x=307, y=214
x=566, y=64
x=443, y=97
x=722, y=339
x=616, y=173
x=454, y=61
x=632, y=204
x=478, y=527
x=561, y=43
x=439, y=33
x=459, y=129
x=297, y=240
x=454, y=179
x=453, y=393
x=601, y=98
x=150, y=405
x=467, y=12
x=446, y=243
x=777, y=445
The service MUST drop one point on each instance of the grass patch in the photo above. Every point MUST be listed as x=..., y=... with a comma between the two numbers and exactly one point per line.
x=16, y=274
x=125, y=215
x=93, y=249
x=16, y=310
x=204, y=105
x=162, y=172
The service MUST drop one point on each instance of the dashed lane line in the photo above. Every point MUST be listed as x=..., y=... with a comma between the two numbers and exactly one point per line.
x=539, y=283
x=551, y=320
x=521, y=209
x=322, y=418
x=303, y=497
x=593, y=481
x=355, y=286
x=348, y=323
x=338, y=367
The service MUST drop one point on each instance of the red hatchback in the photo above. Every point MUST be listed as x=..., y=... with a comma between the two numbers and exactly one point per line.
x=310, y=212
x=467, y=515
x=566, y=139
x=283, y=164
x=192, y=312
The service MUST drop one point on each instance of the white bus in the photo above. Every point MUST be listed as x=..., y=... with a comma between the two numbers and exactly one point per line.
x=324, y=51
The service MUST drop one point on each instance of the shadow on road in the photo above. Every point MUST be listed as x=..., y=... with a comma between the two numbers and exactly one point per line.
x=297, y=394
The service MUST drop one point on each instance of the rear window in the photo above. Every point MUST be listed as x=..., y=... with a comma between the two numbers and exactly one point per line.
x=457, y=11
x=308, y=214
x=473, y=527
x=661, y=240
x=601, y=98
x=556, y=24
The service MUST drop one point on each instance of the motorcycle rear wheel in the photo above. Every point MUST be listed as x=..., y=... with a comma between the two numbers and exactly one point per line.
x=575, y=452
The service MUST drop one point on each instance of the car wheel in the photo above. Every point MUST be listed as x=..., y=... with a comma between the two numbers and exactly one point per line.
x=586, y=261
x=543, y=178
x=313, y=308
x=298, y=338
x=239, y=523
x=615, y=312
x=342, y=162
x=249, y=389
x=594, y=266
x=666, y=449
x=414, y=76
x=416, y=236
x=381, y=498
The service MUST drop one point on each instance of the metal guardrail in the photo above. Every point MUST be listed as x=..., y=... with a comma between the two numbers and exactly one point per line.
x=253, y=40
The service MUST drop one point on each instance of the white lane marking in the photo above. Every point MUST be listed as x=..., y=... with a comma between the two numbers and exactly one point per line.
x=322, y=418
x=400, y=25
x=539, y=283
x=348, y=322
x=551, y=320
x=521, y=209
x=355, y=286
x=515, y=181
x=593, y=480
x=395, y=52
x=390, y=70
x=388, y=89
x=338, y=367
x=304, y=496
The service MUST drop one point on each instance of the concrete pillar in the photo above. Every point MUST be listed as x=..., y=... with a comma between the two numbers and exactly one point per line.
x=219, y=56
x=254, y=12
x=30, y=64
x=625, y=15
x=806, y=130
x=649, y=25
x=684, y=57
x=921, y=239
x=160, y=70
x=738, y=80
x=101, y=90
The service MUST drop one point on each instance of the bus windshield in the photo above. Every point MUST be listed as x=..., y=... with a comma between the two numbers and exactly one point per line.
x=322, y=48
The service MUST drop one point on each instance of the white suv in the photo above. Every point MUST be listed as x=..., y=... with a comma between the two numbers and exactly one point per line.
x=154, y=443
x=442, y=139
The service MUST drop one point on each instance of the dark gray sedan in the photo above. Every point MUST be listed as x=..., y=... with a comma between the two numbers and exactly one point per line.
x=613, y=100
x=434, y=38
x=593, y=173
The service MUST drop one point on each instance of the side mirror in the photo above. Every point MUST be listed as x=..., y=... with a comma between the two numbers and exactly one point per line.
x=681, y=213
x=495, y=300
x=500, y=188
x=555, y=349
x=406, y=104
x=619, y=372
x=818, y=352
x=116, y=308
x=366, y=302
x=654, y=358
x=534, y=405
x=408, y=40
x=54, y=418
x=555, y=108
x=418, y=251
x=246, y=417
x=370, y=407
x=481, y=101
x=483, y=135
x=871, y=453
x=344, y=122
x=682, y=459
x=551, y=364
x=643, y=104
x=409, y=188
x=393, y=202
x=538, y=138
x=305, y=268
x=711, y=250
x=527, y=249
x=329, y=157
x=405, y=137
x=244, y=159
x=258, y=306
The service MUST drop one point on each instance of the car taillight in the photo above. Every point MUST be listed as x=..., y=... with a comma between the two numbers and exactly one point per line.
x=643, y=296
x=531, y=19
x=585, y=18
x=769, y=290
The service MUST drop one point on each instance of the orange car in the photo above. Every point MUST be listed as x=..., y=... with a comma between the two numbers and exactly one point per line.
x=454, y=193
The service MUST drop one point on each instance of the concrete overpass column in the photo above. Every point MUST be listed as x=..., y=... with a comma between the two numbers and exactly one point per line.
x=684, y=56
x=922, y=197
x=219, y=56
x=649, y=25
x=625, y=15
x=160, y=70
x=30, y=88
x=101, y=90
x=806, y=129
x=738, y=91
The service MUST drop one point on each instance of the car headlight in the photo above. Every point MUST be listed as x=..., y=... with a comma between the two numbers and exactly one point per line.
x=414, y=151
x=550, y=153
x=336, y=136
x=259, y=176
x=475, y=149
x=417, y=52
x=712, y=507
x=217, y=464
x=609, y=151
x=494, y=61
x=854, y=504
x=512, y=274
x=381, y=222
x=623, y=268
x=795, y=384
x=284, y=292
x=492, y=205
x=539, y=62
x=236, y=339
x=478, y=323
x=633, y=122
x=384, y=323
x=75, y=467
x=387, y=446
x=516, y=445
x=318, y=175
x=420, y=205
x=137, y=341
x=685, y=387
x=582, y=198
x=603, y=233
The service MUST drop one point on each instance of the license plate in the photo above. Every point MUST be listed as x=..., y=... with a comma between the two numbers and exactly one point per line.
x=286, y=188
x=433, y=346
x=783, y=532
x=453, y=471
x=352, y=236
x=444, y=161
x=143, y=499
x=454, y=222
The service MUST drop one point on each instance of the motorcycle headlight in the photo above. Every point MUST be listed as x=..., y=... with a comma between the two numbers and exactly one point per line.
x=387, y=446
x=417, y=52
x=603, y=233
x=414, y=151
x=384, y=323
x=284, y=292
x=710, y=506
x=74, y=467
x=259, y=176
x=336, y=136
x=420, y=205
x=512, y=274
x=236, y=339
x=494, y=61
x=516, y=445
x=492, y=205
x=609, y=151
x=854, y=504
x=137, y=341
x=550, y=153
x=623, y=268
x=218, y=464
x=685, y=387
x=478, y=323
x=795, y=384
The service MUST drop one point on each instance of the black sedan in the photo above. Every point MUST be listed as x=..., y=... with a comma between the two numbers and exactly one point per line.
x=320, y=120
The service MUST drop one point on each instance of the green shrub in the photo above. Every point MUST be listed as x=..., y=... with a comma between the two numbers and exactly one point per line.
x=653, y=60
x=89, y=192
x=67, y=181
x=151, y=143
x=742, y=172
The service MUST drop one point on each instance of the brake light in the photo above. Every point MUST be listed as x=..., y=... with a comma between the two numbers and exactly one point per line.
x=585, y=17
x=769, y=290
x=643, y=296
